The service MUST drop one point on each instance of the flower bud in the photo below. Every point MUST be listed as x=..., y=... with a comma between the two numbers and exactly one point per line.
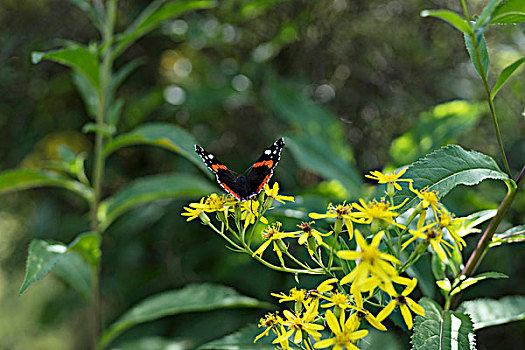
x=204, y=218
x=338, y=225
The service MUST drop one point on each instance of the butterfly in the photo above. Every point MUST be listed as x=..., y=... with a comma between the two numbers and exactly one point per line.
x=244, y=187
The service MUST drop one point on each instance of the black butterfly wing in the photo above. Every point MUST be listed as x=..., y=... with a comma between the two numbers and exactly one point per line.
x=262, y=170
x=224, y=176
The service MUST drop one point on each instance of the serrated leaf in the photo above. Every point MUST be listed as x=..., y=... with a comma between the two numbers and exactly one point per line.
x=509, y=12
x=491, y=312
x=443, y=330
x=152, y=188
x=163, y=135
x=316, y=155
x=153, y=15
x=77, y=57
x=512, y=235
x=473, y=280
x=505, y=75
x=202, y=297
x=21, y=179
x=41, y=258
x=242, y=339
x=482, y=51
x=451, y=18
x=44, y=256
x=446, y=168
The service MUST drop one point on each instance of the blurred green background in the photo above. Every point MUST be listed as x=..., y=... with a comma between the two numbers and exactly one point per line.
x=355, y=86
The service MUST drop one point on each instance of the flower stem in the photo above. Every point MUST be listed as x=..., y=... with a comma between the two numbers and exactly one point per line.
x=483, y=244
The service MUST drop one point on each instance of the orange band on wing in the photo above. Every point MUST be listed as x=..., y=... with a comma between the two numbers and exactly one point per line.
x=269, y=163
x=266, y=179
x=216, y=167
x=229, y=190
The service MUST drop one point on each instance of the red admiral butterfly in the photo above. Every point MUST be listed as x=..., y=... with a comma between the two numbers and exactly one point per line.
x=244, y=187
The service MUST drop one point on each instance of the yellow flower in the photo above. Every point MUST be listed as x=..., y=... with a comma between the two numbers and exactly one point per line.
x=295, y=295
x=250, y=212
x=447, y=221
x=428, y=199
x=340, y=212
x=308, y=232
x=374, y=210
x=361, y=313
x=391, y=178
x=214, y=203
x=337, y=299
x=434, y=237
x=274, y=193
x=371, y=261
x=345, y=335
x=326, y=286
x=192, y=213
x=272, y=234
x=297, y=324
x=404, y=303
x=271, y=322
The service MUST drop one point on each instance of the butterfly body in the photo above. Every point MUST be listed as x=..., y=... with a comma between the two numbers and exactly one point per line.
x=244, y=187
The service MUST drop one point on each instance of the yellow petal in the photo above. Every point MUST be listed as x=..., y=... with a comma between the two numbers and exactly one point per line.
x=377, y=239
x=407, y=316
x=360, y=240
x=415, y=307
x=374, y=322
x=324, y=343
x=349, y=254
x=331, y=320
x=387, y=310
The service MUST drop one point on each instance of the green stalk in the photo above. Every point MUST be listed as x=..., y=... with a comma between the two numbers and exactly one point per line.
x=487, y=91
x=483, y=244
x=98, y=167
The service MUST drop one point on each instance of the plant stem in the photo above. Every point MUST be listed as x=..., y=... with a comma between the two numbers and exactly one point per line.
x=483, y=244
x=98, y=167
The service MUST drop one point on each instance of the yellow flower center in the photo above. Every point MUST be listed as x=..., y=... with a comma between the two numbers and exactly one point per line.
x=296, y=323
x=215, y=202
x=339, y=298
x=340, y=210
x=370, y=254
x=298, y=295
x=271, y=231
x=429, y=198
x=342, y=339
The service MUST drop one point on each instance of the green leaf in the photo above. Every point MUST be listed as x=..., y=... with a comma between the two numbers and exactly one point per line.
x=87, y=245
x=242, y=339
x=451, y=18
x=505, y=75
x=156, y=343
x=473, y=280
x=512, y=235
x=483, y=54
x=163, y=135
x=74, y=261
x=21, y=179
x=466, y=225
x=77, y=57
x=490, y=312
x=75, y=272
x=152, y=188
x=446, y=168
x=124, y=72
x=87, y=92
x=201, y=297
x=316, y=155
x=443, y=330
x=41, y=258
x=153, y=15
x=509, y=12
x=486, y=14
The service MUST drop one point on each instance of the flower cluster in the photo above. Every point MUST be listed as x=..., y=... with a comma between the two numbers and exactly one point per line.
x=364, y=283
